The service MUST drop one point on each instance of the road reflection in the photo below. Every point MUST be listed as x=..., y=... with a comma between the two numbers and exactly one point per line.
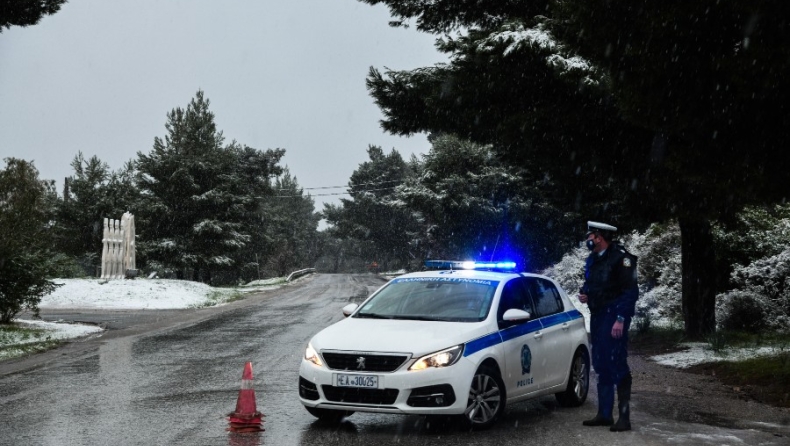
x=245, y=439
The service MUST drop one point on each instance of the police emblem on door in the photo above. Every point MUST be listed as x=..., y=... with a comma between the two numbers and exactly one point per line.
x=526, y=359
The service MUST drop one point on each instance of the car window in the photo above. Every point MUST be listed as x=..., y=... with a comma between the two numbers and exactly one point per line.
x=514, y=296
x=450, y=299
x=547, y=298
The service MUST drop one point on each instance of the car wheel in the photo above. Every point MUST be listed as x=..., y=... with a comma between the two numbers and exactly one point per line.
x=486, y=399
x=329, y=415
x=578, y=381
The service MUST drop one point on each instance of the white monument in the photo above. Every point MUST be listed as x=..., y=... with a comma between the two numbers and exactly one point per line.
x=118, y=256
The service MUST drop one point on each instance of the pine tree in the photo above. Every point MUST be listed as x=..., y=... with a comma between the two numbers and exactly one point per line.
x=707, y=80
x=26, y=264
x=678, y=107
x=26, y=12
x=193, y=213
x=474, y=206
x=291, y=227
x=93, y=193
x=370, y=215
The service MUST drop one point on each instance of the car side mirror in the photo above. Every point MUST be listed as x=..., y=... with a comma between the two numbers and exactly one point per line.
x=514, y=315
x=348, y=309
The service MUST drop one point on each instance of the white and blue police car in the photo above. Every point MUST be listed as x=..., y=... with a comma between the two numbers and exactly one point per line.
x=464, y=340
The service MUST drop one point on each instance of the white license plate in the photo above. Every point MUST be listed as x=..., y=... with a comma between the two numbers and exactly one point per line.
x=364, y=381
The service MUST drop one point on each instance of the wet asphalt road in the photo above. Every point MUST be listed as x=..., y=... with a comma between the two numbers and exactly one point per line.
x=171, y=378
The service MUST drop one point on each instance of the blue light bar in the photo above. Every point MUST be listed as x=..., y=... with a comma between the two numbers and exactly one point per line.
x=456, y=264
x=495, y=265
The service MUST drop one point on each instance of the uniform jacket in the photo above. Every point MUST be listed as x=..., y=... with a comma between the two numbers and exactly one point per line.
x=610, y=281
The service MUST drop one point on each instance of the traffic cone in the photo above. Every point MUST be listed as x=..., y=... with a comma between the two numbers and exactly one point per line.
x=246, y=417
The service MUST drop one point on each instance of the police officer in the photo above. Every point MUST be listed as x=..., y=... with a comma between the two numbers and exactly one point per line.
x=610, y=291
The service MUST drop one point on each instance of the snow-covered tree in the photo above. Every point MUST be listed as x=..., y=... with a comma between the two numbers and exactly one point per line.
x=91, y=194
x=473, y=206
x=197, y=194
x=385, y=229
x=678, y=107
x=26, y=265
x=289, y=225
x=759, y=291
x=758, y=295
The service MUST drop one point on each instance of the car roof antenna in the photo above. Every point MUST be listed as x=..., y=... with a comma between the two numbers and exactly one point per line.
x=493, y=253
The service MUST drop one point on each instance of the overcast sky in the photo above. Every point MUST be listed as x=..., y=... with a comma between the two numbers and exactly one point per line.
x=100, y=76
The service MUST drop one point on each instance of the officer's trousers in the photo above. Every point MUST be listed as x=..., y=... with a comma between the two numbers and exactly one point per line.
x=609, y=355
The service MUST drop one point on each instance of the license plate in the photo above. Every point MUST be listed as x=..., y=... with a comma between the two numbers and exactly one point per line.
x=364, y=381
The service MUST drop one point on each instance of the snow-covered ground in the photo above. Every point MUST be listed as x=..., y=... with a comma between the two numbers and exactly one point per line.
x=139, y=294
x=701, y=352
x=157, y=294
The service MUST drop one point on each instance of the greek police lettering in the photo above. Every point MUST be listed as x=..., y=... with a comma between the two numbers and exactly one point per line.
x=447, y=279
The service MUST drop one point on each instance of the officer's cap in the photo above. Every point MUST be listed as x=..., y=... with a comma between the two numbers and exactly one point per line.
x=596, y=227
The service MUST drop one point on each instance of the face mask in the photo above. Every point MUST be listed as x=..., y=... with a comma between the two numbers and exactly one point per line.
x=590, y=244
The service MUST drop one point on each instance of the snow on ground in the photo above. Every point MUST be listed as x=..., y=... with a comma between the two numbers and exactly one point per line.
x=158, y=294
x=138, y=294
x=58, y=330
x=700, y=352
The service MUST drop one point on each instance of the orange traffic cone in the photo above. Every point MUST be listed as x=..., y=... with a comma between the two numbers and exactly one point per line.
x=246, y=417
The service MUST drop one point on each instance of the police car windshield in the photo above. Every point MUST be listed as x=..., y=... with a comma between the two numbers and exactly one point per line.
x=432, y=299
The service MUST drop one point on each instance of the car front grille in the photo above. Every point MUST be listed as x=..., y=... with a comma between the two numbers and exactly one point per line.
x=360, y=396
x=370, y=362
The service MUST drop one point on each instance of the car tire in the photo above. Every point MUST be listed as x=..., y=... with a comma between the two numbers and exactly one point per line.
x=486, y=400
x=329, y=415
x=575, y=393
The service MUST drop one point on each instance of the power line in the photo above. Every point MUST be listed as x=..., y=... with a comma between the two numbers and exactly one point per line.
x=346, y=186
x=335, y=193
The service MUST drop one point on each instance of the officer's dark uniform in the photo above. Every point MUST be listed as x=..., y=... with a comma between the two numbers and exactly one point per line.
x=611, y=288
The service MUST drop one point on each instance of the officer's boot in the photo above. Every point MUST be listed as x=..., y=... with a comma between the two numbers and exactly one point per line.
x=623, y=403
x=605, y=403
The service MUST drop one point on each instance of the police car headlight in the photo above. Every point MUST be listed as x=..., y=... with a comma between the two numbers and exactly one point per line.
x=311, y=355
x=443, y=358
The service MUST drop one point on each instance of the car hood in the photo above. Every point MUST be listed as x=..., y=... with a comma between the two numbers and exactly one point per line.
x=396, y=336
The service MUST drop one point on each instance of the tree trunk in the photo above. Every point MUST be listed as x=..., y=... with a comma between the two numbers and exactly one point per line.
x=699, y=277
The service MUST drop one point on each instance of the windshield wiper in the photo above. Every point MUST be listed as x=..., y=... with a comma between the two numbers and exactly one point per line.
x=415, y=318
x=372, y=316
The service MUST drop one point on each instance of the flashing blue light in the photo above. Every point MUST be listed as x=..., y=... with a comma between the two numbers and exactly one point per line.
x=455, y=264
x=495, y=265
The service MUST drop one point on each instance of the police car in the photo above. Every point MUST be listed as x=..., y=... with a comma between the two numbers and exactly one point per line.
x=464, y=340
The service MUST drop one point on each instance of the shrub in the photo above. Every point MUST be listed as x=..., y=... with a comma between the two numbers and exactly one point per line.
x=740, y=311
x=569, y=271
x=761, y=295
x=658, y=250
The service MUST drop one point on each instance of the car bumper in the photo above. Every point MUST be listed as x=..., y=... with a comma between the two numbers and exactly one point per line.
x=436, y=391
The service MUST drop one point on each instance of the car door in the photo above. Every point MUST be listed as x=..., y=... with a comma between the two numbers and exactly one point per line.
x=555, y=324
x=522, y=340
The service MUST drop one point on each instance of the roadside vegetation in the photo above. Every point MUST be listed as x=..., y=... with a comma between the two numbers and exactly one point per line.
x=217, y=297
x=761, y=376
x=764, y=379
x=20, y=341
